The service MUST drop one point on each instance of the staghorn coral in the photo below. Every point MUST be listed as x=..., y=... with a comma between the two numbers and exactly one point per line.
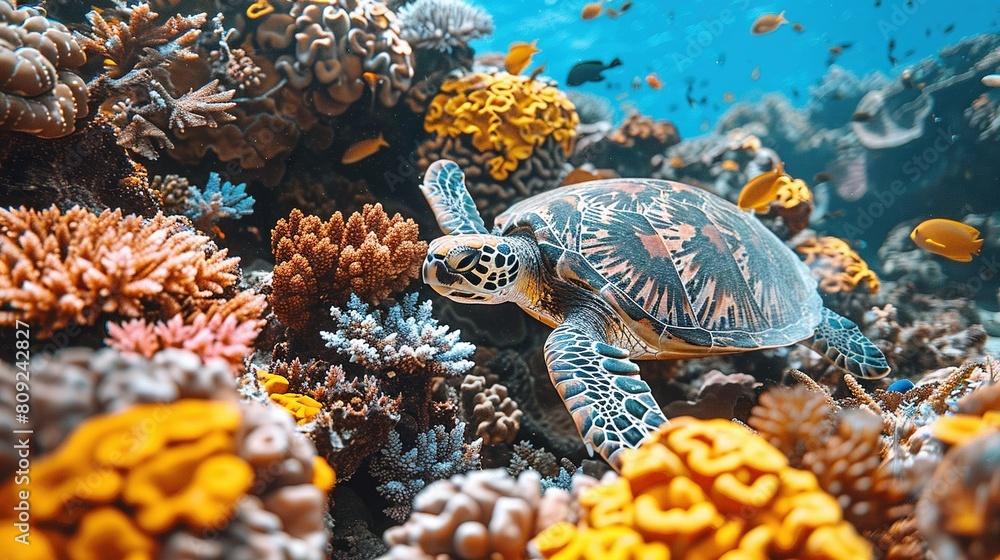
x=837, y=267
x=351, y=419
x=705, y=489
x=218, y=200
x=437, y=454
x=494, y=415
x=317, y=264
x=323, y=48
x=58, y=268
x=181, y=476
x=515, y=126
x=225, y=331
x=41, y=94
x=443, y=25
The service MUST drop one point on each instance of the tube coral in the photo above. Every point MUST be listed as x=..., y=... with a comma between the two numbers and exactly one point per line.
x=57, y=268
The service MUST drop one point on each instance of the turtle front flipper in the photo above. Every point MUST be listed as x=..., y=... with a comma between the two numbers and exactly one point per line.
x=839, y=340
x=444, y=188
x=611, y=405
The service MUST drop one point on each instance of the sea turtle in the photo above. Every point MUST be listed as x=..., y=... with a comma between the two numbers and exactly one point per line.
x=629, y=269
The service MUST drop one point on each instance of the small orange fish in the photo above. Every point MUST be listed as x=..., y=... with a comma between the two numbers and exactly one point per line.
x=730, y=165
x=768, y=23
x=760, y=191
x=798, y=27
x=755, y=75
x=948, y=238
x=653, y=81
x=611, y=13
x=728, y=97
x=371, y=78
x=836, y=50
x=519, y=56
x=592, y=10
x=676, y=162
x=360, y=150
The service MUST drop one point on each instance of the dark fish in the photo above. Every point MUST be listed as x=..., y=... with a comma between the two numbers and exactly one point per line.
x=690, y=99
x=721, y=60
x=703, y=101
x=795, y=93
x=862, y=116
x=878, y=3
x=822, y=177
x=892, y=47
x=949, y=29
x=909, y=53
x=927, y=32
x=589, y=71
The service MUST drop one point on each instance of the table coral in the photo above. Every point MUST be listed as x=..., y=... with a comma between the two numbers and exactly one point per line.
x=837, y=267
x=317, y=264
x=506, y=124
x=707, y=489
x=58, y=268
x=41, y=94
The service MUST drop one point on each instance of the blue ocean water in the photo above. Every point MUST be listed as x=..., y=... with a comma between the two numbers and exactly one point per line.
x=709, y=44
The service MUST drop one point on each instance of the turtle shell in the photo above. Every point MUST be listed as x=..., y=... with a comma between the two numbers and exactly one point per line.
x=689, y=272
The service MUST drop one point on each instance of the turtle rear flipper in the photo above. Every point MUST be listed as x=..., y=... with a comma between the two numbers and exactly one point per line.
x=839, y=340
x=601, y=388
x=444, y=188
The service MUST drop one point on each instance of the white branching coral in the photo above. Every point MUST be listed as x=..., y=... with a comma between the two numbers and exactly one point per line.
x=407, y=340
x=438, y=454
x=443, y=25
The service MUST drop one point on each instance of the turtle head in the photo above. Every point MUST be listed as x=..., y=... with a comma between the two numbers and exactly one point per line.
x=472, y=268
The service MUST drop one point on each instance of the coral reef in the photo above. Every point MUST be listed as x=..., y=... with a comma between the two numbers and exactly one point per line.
x=216, y=201
x=443, y=25
x=59, y=268
x=837, y=267
x=494, y=416
x=318, y=264
x=633, y=149
x=518, y=128
x=41, y=93
x=706, y=488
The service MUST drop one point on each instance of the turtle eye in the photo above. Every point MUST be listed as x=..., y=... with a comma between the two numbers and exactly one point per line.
x=462, y=259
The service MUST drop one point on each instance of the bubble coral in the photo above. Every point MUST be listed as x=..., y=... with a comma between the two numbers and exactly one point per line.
x=837, y=267
x=318, y=264
x=707, y=488
x=41, y=94
x=57, y=268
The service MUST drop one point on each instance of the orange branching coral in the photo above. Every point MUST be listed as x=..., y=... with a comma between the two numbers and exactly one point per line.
x=793, y=419
x=507, y=116
x=837, y=267
x=57, y=268
x=706, y=489
x=319, y=264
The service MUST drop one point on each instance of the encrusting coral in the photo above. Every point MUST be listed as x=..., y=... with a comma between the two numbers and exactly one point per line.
x=514, y=126
x=59, y=268
x=41, y=94
x=706, y=489
x=166, y=463
x=318, y=264
x=837, y=267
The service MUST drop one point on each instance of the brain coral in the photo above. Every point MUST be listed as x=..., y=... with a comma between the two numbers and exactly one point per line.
x=521, y=128
x=706, y=489
x=40, y=94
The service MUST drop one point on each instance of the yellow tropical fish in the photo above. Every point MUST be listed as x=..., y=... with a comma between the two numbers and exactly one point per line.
x=762, y=190
x=519, y=56
x=363, y=149
x=948, y=238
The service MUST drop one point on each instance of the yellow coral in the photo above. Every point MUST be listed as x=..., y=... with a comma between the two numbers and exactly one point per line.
x=303, y=407
x=706, y=489
x=166, y=465
x=837, y=267
x=505, y=114
x=959, y=428
x=793, y=192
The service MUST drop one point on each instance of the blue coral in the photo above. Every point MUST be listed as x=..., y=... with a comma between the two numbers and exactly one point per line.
x=438, y=454
x=217, y=201
x=408, y=339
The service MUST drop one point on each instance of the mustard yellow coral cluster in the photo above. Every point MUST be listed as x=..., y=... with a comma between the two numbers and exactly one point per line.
x=303, y=407
x=706, y=489
x=507, y=115
x=121, y=480
x=837, y=267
